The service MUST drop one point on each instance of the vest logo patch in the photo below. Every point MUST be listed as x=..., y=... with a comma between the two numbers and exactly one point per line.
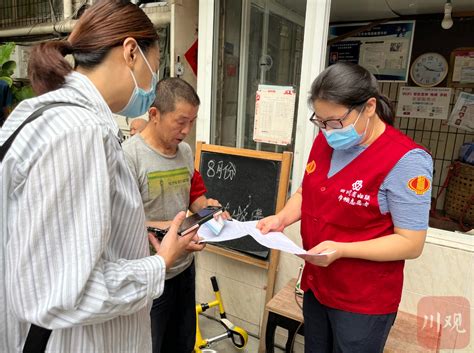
x=310, y=167
x=357, y=185
x=354, y=196
x=419, y=184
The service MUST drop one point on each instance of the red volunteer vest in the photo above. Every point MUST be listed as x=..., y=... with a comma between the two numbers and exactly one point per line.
x=345, y=208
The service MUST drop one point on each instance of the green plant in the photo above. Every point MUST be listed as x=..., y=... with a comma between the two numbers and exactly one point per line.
x=7, y=67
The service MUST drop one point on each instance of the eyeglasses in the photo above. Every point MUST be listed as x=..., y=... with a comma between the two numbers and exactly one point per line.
x=332, y=123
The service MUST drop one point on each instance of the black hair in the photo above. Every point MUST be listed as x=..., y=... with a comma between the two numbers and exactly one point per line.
x=350, y=85
x=171, y=90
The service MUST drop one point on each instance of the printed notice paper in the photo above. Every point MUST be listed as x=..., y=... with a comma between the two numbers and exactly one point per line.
x=419, y=102
x=462, y=115
x=235, y=229
x=274, y=113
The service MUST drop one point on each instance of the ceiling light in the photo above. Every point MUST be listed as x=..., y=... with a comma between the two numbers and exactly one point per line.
x=447, y=22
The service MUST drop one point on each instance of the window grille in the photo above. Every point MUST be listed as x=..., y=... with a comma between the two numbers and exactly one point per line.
x=21, y=13
x=442, y=140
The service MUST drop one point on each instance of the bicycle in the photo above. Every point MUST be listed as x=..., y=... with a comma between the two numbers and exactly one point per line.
x=237, y=334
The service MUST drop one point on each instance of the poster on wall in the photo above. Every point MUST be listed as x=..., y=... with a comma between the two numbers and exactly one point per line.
x=274, y=112
x=419, y=102
x=462, y=116
x=384, y=50
x=463, y=69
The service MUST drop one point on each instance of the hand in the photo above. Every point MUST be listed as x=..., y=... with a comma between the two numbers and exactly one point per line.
x=212, y=202
x=154, y=241
x=159, y=224
x=224, y=215
x=173, y=246
x=334, y=249
x=195, y=244
x=430, y=69
x=269, y=224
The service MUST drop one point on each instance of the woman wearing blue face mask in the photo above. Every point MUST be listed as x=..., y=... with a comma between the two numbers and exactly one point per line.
x=141, y=100
x=363, y=206
x=75, y=252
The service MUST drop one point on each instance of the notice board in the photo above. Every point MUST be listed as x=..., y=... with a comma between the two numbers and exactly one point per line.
x=250, y=185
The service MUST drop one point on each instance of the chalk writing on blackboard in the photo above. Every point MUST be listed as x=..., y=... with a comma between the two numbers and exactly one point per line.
x=218, y=170
x=245, y=213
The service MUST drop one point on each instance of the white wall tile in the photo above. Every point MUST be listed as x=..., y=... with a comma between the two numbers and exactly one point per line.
x=470, y=284
x=206, y=260
x=204, y=292
x=251, y=328
x=439, y=271
x=409, y=302
x=241, y=300
x=470, y=347
x=242, y=272
x=287, y=269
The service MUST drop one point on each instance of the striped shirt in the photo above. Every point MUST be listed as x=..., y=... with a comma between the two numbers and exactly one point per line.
x=407, y=209
x=74, y=255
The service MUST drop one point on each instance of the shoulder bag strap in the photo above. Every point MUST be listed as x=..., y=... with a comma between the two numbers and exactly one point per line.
x=4, y=148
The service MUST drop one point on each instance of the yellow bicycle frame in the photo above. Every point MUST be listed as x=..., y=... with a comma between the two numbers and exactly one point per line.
x=237, y=334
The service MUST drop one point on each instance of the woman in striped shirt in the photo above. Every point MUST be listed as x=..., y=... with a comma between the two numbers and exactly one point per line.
x=74, y=255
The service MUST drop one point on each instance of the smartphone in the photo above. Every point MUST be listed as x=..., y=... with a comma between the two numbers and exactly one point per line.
x=195, y=220
x=158, y=232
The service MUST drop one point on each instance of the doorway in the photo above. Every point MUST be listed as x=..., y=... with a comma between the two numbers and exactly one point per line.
x=260, y=42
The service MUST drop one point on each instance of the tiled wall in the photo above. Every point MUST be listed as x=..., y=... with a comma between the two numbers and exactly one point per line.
x=441, y=271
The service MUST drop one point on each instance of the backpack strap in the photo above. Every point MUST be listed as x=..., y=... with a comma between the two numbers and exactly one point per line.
x=36, y=114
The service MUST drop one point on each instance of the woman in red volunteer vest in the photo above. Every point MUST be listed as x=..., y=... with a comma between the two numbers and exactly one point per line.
x=363, y=206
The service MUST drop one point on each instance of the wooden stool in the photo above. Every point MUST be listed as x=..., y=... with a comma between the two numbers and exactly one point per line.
x=282, y=310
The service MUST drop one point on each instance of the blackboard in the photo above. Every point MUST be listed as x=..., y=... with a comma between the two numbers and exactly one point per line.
x=251, y=185
x=246, y=187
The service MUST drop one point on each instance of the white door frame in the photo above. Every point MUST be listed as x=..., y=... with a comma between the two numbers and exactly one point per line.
x=207, y=67
x=313, y=62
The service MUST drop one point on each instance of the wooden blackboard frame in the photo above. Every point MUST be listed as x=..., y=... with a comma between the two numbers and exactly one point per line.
x=285, y=159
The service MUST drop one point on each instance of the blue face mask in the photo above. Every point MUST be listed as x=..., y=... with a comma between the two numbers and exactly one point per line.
x=140, y=100
x=347, y=137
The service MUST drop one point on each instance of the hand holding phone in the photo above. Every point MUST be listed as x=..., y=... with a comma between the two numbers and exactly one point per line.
x=159, y=233
x=172, y=246
x=190, y=223
x=195, y=220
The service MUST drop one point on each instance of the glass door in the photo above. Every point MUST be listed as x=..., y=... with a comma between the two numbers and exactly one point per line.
x=260, y=42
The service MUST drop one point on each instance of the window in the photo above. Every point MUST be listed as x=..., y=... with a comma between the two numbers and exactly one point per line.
x=20, y=13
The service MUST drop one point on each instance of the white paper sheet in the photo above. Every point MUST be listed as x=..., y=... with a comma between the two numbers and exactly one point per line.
x=273, y=240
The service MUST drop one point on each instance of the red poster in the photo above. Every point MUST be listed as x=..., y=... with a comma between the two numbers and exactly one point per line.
x=192, y=56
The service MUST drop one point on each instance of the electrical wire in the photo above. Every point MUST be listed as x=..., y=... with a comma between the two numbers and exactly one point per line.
x=301, y=323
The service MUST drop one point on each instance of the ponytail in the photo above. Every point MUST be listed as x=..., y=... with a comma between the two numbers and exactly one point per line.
x=384, y=109
x=47, y=67
x=103, y=26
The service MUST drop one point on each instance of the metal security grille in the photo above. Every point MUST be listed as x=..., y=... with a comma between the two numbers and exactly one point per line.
x=441, y=139
x=21, y=13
